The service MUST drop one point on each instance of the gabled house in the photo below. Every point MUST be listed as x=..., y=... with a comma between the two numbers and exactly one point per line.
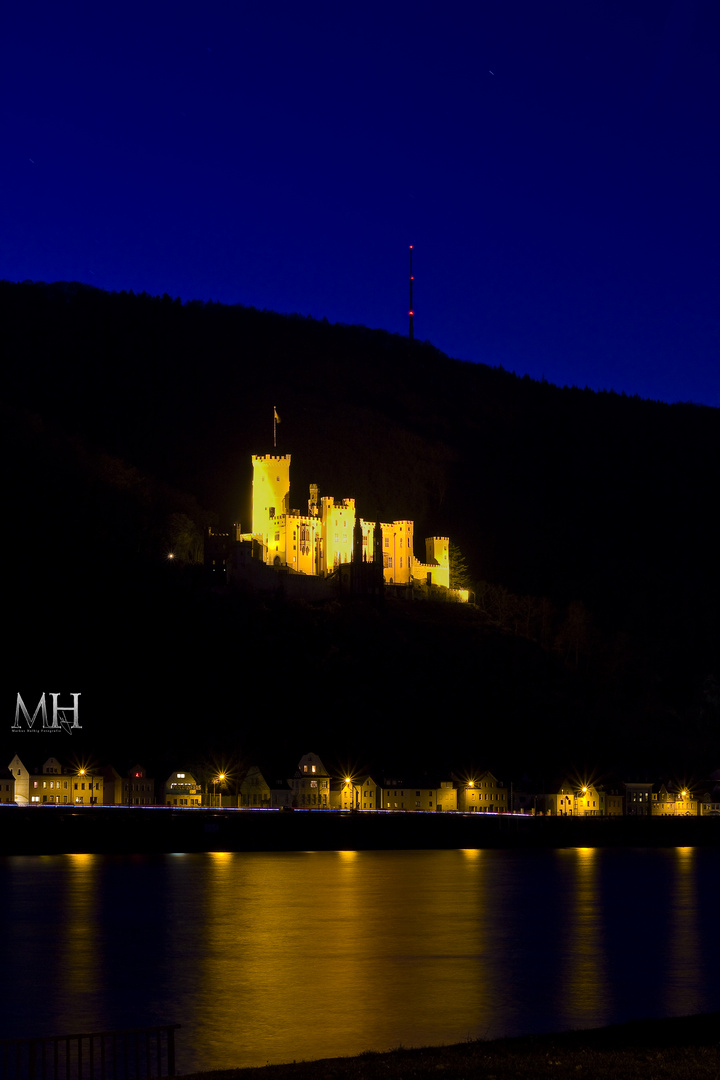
x=7, y=786
x=311, y=784
x=255, y=791
x=21, y=775
x=182, y=789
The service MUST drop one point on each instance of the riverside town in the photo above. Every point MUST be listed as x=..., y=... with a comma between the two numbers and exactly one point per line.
x=313, y=787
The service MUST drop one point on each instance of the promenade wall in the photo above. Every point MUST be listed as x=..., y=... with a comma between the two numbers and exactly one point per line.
x=44, y=830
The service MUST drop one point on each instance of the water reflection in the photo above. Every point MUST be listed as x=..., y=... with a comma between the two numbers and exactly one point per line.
x=683, y=984
x=584, y=980
x=316, y=954
x=275, y=957
x=79, y=948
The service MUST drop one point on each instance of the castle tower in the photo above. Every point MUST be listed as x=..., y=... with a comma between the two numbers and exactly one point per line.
x=271, y=491
x=437, y=552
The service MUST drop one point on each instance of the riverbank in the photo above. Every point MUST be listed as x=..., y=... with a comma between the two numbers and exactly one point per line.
x=684, y=1048
x=47, y=830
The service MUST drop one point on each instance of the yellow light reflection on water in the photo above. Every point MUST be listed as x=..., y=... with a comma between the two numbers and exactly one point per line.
x=79, y=938
x=221, y=858
x=584, y=983
x=300, y=945
x=683, y=987
x=80, y=948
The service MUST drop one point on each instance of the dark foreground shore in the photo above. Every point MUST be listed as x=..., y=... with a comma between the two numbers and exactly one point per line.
x=47, y=830
x=684, y=1048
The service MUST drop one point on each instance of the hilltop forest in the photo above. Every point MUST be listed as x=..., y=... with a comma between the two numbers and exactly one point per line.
x=586, y=523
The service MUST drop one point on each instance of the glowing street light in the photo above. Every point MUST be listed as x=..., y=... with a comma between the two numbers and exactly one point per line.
x=85, y=774
x=219, y=779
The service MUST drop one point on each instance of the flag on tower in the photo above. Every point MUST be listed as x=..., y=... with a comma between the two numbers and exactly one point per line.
x=277, y=418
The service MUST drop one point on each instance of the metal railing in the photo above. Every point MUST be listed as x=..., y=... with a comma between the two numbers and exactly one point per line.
x=131, y=1054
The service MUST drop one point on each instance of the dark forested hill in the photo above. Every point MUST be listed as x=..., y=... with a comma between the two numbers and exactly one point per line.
x=587, y=520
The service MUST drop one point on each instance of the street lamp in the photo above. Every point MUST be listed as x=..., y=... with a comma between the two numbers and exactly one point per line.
x=84, y=773
x=348, y=780
x=219, y=779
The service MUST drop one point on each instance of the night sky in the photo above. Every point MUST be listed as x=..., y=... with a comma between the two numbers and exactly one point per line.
x=554, y=164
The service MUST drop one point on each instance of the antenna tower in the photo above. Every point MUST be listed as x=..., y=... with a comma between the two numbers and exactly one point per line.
x=411, y=312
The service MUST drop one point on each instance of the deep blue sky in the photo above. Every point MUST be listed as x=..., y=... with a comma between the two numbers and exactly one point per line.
x=554, y=164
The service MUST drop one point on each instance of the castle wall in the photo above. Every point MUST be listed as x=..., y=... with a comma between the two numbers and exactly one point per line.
x=338, y=523
x=302, y=533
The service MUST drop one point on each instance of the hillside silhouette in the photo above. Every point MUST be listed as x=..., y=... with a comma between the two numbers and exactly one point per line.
x=587, y=522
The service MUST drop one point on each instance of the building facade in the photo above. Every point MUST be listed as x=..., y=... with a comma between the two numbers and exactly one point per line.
x=182, y=789
x=311, y=784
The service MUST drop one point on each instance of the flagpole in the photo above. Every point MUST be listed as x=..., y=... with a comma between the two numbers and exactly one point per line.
x=274, y=428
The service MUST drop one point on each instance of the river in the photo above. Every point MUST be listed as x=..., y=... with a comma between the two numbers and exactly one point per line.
x=284, y=956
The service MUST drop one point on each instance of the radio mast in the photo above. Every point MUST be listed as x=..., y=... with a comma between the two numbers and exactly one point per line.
x=411, y=312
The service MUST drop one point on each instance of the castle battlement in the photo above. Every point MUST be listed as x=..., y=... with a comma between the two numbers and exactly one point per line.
x=267, y=458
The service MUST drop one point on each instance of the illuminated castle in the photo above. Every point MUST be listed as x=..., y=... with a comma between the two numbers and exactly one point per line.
x=330, y=534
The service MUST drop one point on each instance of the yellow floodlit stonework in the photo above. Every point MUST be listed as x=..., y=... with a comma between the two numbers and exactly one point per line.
x=331, y=534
